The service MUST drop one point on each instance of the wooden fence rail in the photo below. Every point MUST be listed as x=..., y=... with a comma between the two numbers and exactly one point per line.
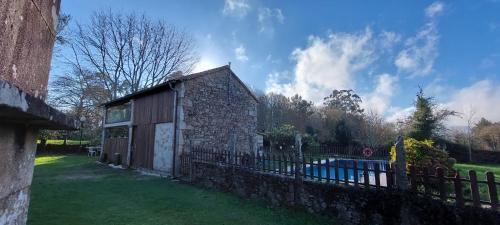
x=453, y=187
x=378, y=174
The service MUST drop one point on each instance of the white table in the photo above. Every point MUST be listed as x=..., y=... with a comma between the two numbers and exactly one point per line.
x=94, y=150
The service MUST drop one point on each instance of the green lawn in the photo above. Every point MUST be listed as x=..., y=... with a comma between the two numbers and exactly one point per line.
x=75, y=190
x=480, y=169
x=68, y=142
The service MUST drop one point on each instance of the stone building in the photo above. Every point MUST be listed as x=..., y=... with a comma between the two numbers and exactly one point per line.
x=27, y=34
x=149, y=129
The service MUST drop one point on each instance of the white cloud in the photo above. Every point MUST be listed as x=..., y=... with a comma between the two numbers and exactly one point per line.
x=280, y=82
x=483, y=97
x=417, y=58
x=240, y=53
x=268, y=18
x=271, y=59
x=437, y=88
x=237, y=8
x=326, y=64
x=399, y=114
x=434, y=9
x=379, y=100
x=388, y=39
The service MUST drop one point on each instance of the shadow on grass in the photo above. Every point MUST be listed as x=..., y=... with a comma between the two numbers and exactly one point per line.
x=76, y=190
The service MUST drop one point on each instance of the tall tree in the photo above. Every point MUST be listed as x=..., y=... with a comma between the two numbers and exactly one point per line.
x=344, y=100
x=375, y=132
x=301, y=110
x=488, y=134
x=131, y=51
x=427, y=120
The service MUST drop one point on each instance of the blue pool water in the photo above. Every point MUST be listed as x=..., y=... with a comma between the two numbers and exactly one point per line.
x=350, y=171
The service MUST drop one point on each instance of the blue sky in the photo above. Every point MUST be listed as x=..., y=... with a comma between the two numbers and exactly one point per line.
x=384, y=50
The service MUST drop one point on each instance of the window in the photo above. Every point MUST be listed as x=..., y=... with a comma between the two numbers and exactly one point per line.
x=117, y=132
x=119, y=113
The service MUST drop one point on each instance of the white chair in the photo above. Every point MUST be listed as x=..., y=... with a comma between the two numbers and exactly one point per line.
x=91, y=151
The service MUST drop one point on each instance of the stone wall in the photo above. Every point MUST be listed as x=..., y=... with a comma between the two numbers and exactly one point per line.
x=347, y=205
x=218, y=112
x=17, y=154
x=27, y=34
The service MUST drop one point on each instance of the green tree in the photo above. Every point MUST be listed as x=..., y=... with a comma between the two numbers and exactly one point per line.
x=427, y=120
x=343, y=133
x=300, y=111
x=344, y=100
x=423, y=122
x=283, y=136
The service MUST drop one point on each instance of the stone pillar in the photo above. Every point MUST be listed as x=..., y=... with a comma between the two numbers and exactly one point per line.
x=17, y=153
x=401, y=177
x=27, y=34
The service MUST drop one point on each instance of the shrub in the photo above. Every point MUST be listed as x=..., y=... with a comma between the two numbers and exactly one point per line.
x=283, y=137
x=422, y=154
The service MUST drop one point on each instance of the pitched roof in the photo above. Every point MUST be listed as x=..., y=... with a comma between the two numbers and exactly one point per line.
x=173, y=80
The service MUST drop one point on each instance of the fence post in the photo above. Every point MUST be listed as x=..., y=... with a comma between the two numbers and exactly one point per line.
x=401, y=177
x=190, y=160
x=492, y=190
x=459, y=196
x=413, y=178
x=298, y=158
x=476, y=199
x=441, y=183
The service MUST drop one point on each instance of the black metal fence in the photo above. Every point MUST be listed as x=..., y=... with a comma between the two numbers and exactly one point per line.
x=366, y=173
x=379, y=174
x=334, y=151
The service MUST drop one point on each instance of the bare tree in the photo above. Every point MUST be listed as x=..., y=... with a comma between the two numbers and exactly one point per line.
x=375, y=131
x=491, y=136
x=470, y=123
x=131, y=52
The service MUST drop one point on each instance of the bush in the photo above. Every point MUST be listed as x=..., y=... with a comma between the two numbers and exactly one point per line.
x=284, y=137
x=422, y=154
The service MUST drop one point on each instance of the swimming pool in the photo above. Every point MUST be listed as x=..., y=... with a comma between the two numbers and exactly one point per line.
x=316, y=170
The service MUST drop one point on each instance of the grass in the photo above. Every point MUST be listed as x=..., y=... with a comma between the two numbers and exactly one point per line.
x=75, y=190
x=68, y=142
x=481, y=170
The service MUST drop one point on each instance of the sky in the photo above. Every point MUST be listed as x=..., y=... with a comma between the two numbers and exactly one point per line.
x=383, y=50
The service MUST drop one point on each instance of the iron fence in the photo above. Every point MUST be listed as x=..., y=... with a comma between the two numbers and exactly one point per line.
x=378, y=174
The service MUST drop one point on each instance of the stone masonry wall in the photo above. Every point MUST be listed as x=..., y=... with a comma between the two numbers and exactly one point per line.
x=347, y=205
x=27, y=34
x=218, y=113
x=16, y=172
